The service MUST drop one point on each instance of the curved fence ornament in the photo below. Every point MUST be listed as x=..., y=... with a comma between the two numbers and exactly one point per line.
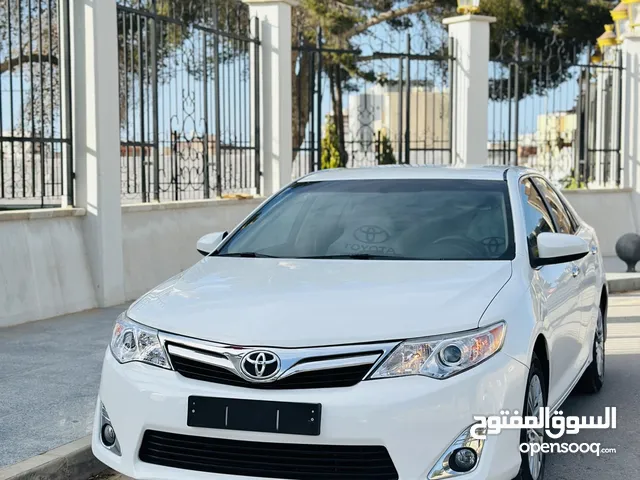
x=186, y=127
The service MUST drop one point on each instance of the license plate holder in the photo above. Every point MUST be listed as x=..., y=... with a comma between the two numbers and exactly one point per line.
x=254, y=415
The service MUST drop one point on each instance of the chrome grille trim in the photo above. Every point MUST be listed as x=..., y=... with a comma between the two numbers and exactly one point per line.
x=292, y=360
x=329, y=364
x=200, y=357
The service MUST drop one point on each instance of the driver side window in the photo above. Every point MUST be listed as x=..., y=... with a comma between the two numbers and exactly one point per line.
x=558, y=211
x=536, y=217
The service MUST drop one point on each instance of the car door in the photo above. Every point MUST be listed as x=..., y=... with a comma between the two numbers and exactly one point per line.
x=576, y=329
x=556, y=289
x=591, y=290
x=584, y=269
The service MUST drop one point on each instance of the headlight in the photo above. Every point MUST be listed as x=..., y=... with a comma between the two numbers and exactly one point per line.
x=443, y=357
x=132, y=342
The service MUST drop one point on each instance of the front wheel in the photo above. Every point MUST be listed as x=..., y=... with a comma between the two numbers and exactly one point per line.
x=533, y=461
x=593, y=377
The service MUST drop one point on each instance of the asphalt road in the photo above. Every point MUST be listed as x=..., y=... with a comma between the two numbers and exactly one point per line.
x=29, y=411
x=621, y=390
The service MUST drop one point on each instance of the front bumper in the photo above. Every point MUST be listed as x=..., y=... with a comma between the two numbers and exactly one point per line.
x=415, y=418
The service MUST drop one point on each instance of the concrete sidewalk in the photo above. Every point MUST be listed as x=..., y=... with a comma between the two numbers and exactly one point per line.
x=49, y=381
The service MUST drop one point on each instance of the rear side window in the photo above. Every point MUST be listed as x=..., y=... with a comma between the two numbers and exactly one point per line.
x=558, y=211
x=536, y=216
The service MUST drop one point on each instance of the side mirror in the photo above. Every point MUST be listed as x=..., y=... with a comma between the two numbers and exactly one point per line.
x=210, y=242
x=556, y=248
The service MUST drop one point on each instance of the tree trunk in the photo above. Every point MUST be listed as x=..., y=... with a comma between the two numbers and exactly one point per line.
x=34, y=57
x=336, y=101
x=301, y=89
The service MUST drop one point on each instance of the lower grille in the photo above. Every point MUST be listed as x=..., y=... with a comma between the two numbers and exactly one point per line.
x=330, y=378
x=267, y=460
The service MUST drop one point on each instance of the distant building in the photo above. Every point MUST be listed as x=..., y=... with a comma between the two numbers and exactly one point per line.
x=381, y=109
x=551, y=148
x=555, y=144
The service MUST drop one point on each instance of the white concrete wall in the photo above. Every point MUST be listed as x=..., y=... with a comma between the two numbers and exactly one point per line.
x=44, y=269
x=159, y=240
x=44, y=254
x=611, y=213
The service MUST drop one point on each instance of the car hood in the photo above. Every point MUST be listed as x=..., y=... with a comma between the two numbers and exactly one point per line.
x=302, y=303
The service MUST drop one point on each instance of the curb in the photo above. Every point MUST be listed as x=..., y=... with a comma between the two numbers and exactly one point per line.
x=73, y=461
x=619, y=283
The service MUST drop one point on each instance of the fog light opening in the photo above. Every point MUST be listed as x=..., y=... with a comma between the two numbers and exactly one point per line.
x=463, y=460
x=108, y=435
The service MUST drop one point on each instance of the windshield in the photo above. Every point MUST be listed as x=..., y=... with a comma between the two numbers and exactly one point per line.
x=406, y=219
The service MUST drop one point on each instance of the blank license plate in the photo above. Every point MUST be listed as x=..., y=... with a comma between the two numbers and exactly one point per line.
x=254, y=415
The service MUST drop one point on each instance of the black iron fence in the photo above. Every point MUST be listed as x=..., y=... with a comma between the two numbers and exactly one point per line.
x=185, y=99
x=553, y=109
x=35, y=111
x=387, y=101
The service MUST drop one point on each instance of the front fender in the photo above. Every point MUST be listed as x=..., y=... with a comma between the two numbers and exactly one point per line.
x=516, y=304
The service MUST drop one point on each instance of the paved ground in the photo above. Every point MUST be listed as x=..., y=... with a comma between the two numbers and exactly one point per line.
x=47, y=411
x=621, y=390
x=49, y=381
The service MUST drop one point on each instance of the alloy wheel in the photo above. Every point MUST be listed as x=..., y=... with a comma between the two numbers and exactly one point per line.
x=600, y=346
x=535, y=401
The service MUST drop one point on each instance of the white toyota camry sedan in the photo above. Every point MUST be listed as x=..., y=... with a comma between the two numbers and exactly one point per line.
x=353, y=327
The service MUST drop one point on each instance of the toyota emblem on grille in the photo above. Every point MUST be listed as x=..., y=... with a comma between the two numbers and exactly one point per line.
x=260, y=365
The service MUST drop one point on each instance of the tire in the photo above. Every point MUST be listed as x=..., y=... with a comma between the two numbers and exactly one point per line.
x=593, y=377
x=536, y=380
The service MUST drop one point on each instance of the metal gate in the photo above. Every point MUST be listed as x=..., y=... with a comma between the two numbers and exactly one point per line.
x=387, y=102
x=36, y=162
x=185, y=99
x=556, y=111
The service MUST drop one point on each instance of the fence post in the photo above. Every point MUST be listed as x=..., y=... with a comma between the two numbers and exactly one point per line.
x=630, y=135
x=275, y=97
x=66, y=114
x=601, y=143
x=470, y=34
x=96, y=141
x=630, y=121
x=629, y=157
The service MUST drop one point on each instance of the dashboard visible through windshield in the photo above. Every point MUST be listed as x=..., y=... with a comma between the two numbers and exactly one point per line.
x=390, y=219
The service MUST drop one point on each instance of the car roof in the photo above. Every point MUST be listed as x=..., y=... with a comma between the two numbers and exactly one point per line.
x=488, y=172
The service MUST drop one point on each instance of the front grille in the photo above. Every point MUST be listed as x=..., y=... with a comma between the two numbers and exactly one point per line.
x=329, y=378
x=267, y=460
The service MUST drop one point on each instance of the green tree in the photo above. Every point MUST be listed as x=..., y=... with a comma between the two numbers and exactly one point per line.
x=546, y=38
x=331, y=157
x=385, y=150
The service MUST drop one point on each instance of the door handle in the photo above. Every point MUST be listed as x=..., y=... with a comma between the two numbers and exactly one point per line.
x=575, y=271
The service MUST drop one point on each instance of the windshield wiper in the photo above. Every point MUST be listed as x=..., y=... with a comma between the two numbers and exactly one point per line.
x=361, y=256
x=245, y=255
